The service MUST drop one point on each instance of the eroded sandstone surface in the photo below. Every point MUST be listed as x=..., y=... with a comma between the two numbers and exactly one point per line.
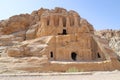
x=113, y=37
x=53, y=40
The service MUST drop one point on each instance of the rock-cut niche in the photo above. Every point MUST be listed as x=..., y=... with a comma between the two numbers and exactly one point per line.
x=51, y=54
x=73, y=56
x=64, y=32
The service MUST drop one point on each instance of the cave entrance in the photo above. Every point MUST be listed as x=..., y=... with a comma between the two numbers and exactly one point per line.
x=64, y=32
x=51, y=54
x=98, y=55
x=73, y=56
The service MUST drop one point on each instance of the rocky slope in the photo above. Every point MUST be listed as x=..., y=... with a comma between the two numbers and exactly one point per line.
x=53, y=40
x=113, y=37
x=25, y=31
x=21, y=27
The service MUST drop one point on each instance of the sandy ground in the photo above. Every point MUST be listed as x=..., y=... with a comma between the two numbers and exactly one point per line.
x=114, y=75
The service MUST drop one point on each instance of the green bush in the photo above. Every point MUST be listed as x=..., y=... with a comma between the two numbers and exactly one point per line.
x=73, y=69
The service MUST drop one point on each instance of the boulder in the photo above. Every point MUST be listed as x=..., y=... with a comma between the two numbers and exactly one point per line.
x=15, y=52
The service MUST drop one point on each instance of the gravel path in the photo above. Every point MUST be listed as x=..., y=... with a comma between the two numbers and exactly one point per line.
x=94, y=76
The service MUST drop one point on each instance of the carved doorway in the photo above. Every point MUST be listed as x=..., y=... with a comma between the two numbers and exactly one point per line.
x=73, y=56
x=64, y=32
x=51, y=54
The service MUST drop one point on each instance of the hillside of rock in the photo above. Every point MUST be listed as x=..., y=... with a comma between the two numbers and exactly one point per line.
x=54, y=40
x=113, y=37
x=18, y=30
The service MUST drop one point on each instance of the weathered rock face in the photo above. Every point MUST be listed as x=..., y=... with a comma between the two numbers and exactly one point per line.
x=113, y=37
x=108, y=34
x=15, y=24
x=59, y=36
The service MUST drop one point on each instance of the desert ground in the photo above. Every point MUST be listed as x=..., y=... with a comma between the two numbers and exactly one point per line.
x=108, y=75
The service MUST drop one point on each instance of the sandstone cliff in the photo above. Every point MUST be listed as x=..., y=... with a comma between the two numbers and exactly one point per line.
x=43, y=22
x=48, y=40
x=113, y=37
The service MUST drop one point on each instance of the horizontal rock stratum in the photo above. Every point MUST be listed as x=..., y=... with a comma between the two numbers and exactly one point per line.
x=53, y=40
